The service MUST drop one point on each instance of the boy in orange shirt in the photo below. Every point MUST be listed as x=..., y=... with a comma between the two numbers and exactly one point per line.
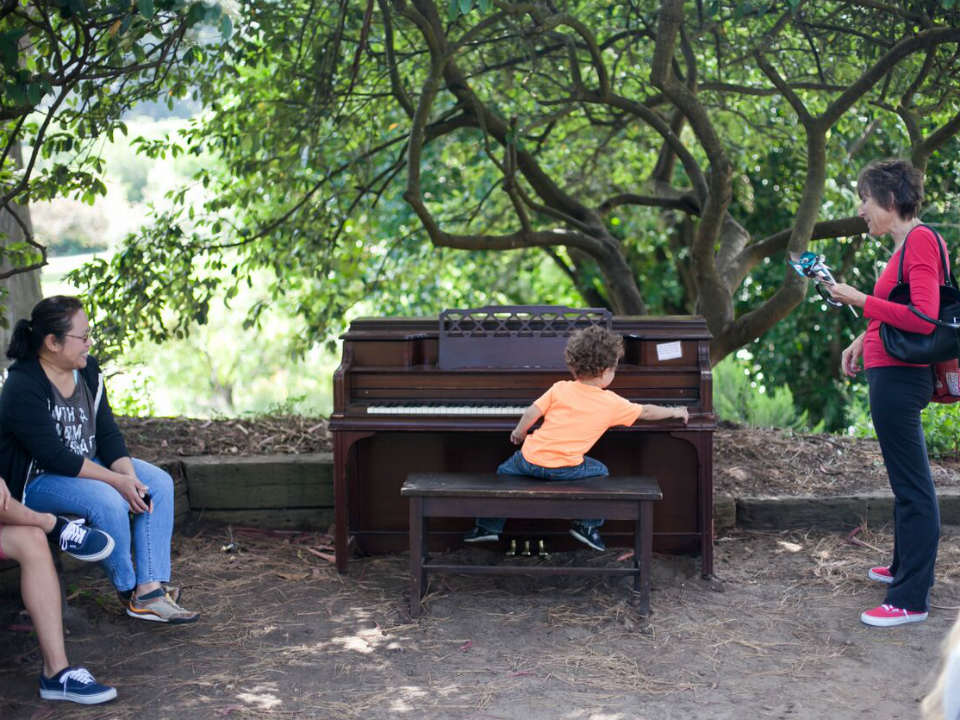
x=575, y=414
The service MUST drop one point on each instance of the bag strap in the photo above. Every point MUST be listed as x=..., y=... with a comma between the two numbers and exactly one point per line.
x=948, y=278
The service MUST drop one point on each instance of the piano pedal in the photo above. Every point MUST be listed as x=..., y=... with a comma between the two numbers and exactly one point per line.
x=512, y=550
x=542, y=549
x=526, y=549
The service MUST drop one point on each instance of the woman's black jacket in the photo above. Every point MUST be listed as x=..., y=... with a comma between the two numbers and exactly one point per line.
x=28, y=431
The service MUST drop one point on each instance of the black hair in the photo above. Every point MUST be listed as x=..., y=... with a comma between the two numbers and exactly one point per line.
x=893, y=184
x=50, y=316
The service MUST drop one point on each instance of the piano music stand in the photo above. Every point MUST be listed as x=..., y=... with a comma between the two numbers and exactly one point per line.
x=499, y=336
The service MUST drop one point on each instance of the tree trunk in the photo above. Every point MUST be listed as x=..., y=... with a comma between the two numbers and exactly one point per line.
x=23, y=289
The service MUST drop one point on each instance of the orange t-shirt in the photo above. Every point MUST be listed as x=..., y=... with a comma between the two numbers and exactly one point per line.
x=575, y=415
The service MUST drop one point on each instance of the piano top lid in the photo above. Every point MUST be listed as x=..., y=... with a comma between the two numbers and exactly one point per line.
x=642, y=327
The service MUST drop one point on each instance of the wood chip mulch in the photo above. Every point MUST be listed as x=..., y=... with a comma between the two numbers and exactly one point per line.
x=747, y=461
x=158, y=438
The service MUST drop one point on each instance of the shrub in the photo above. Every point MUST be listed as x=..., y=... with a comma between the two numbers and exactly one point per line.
x=739, y=397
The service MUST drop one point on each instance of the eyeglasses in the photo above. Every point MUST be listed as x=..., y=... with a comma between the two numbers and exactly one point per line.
x=86, y=337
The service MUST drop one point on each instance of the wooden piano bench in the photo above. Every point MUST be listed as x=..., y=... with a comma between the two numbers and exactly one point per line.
x=445, y=494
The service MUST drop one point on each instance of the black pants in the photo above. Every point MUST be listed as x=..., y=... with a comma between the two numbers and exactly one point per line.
x=897, y=395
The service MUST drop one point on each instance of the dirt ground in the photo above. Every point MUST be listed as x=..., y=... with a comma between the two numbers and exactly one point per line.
x=775, y=635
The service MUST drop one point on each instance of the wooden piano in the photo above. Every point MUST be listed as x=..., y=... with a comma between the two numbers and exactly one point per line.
x=428, y=394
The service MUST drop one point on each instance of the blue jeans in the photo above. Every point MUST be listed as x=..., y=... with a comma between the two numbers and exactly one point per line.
x=139, y=557
x=517, y=464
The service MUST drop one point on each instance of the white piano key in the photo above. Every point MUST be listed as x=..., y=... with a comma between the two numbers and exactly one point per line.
x=439, y=409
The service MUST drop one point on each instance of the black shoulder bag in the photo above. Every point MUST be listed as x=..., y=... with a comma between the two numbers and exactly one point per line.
x=944, y=342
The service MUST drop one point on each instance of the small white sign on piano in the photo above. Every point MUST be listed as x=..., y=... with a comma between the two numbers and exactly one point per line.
x=669, y=351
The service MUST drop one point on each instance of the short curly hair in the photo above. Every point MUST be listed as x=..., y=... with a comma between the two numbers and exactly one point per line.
x=592, y=350
x=893, y=184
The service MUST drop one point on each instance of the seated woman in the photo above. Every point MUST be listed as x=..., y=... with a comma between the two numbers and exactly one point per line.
x=60, y=449
x=23, y=537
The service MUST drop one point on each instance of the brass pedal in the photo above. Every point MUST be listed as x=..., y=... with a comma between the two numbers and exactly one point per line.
x=512, y=550
x=526, y=549
x=542, y=549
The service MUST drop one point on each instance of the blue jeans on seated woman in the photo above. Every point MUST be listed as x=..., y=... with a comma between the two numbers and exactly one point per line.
x=140, y=556
x=517, y=464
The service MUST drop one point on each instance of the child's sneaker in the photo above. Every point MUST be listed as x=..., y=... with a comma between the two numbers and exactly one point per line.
x=880, y=574
x=158, y=607
x=81, y=541
x=77, y=685
x=478, y=534
x=888, y=616
x=589, y=536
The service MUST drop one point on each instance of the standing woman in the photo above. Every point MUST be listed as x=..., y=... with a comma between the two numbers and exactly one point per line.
x=890, y=193
x=60, y=448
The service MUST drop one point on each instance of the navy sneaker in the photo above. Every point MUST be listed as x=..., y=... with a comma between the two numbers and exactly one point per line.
x=81, y=541
x=589, y=536
x=478, y=534
x=77, y=685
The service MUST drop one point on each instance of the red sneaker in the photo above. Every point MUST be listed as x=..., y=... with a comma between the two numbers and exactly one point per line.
x=881, y=574
x=888, y=616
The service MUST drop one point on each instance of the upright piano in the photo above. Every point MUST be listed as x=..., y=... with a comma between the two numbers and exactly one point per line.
x=443, y=394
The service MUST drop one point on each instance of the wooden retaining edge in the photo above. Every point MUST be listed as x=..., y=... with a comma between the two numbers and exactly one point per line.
x=832, y=513
x=276, y=491
x=296, y=491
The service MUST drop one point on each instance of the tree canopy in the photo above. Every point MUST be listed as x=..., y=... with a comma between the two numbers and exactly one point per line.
x=401, y=155
x=70, y=70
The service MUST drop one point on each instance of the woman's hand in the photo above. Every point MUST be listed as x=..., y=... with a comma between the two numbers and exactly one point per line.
x=4, y=495
x=841, y=292
x=851, y=359
x=133, y=491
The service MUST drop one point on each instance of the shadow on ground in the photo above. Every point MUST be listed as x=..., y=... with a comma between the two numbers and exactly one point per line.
x=775, y=635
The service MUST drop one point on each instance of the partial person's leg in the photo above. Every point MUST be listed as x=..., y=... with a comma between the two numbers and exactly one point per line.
x=17, y=513
x=103, y=506
x=897, y=395
x=590, y=467
x=513, y=465
x=152, y=531
x=40, y=589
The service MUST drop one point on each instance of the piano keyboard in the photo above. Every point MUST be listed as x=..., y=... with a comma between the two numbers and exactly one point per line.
x=438, y=409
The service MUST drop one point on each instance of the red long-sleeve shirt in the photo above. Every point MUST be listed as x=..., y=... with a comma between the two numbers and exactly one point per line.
x=923, y=270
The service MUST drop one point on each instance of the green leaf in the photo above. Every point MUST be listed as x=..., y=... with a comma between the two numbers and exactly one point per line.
x=34, y=93
x=466, y=6
x=226, y=27
x=10, y=47
x=146, y=8
x=196, y=14
x=453, y=10
x=16, y=93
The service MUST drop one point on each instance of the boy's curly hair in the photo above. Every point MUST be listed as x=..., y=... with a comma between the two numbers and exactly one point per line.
x=592, y=350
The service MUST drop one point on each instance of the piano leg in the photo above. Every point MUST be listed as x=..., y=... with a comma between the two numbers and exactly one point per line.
x=343, y=453
x=643, y=555
x=705, y=453
x=703, y=444
x=418, y=555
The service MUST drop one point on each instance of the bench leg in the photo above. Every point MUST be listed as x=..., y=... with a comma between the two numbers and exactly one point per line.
x=418, y=553
x=643, y=554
